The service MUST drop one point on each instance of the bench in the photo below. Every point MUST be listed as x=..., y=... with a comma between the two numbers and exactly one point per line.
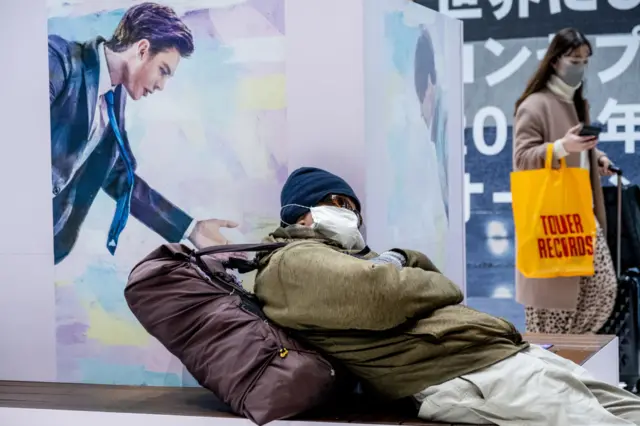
x=22, y=402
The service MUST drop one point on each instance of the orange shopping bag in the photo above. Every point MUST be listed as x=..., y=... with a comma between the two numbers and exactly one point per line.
x=554, y=221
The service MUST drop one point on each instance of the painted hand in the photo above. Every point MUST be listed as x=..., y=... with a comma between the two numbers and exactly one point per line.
x=207, y=233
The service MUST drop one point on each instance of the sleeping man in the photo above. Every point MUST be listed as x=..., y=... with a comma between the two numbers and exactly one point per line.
x=397, y=323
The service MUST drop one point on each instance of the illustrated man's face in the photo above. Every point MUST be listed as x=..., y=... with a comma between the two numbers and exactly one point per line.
x=429, y=101
x=149, y=72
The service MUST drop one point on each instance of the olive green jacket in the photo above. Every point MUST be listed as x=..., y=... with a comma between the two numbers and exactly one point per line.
x=400, y=331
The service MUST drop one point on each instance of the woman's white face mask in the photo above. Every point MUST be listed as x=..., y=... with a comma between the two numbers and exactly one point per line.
x=338, y=224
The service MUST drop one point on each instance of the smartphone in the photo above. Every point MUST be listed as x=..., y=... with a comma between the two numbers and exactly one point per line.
x=590, y=131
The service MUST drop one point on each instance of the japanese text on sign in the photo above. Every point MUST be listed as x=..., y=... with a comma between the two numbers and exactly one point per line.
x=470, y=9
x=628, y=44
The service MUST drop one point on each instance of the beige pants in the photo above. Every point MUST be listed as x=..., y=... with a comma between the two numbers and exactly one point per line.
x=534, y=387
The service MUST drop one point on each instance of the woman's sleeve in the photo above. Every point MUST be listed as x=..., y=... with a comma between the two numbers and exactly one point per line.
x=599, y=155
x=529, y=146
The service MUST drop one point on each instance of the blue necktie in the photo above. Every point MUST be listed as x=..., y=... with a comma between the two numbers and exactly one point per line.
x=123, y=204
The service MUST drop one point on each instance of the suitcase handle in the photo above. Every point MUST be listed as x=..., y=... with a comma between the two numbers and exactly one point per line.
x=618, y=172
x=615, y=170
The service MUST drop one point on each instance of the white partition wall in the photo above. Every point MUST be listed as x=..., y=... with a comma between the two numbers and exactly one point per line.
x=378, y=99
x=27, y=292
x=272, y=85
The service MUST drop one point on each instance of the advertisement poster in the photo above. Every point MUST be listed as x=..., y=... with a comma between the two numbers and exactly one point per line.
x=413, y=177
x=504, y=40
x=169, y=123
x=204, y=145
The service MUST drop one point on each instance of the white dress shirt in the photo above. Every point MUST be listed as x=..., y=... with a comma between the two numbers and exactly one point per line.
x=100, y=115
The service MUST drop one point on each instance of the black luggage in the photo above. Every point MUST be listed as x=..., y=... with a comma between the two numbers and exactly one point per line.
x=623, y=321
x=624, y=202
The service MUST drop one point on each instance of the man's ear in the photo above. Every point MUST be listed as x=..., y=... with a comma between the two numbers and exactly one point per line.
x=143, y=47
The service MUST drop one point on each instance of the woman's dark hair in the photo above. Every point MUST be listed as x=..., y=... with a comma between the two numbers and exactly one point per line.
x=156, y=23
x=425, y=64
x=564, y=42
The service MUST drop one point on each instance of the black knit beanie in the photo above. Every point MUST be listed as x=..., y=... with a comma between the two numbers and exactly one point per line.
x=307, y=186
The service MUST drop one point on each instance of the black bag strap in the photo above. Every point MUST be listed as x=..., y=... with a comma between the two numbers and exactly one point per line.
x=241, y=265
x=237, y=248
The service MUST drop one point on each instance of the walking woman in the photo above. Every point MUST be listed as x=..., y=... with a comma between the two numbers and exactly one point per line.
x=552, y=110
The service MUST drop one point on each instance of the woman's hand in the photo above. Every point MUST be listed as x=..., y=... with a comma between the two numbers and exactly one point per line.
x=574, y=143
x=603, y=166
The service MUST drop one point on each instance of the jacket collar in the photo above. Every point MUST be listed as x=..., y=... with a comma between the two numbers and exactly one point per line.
x=104, y=82
x=91, y=67
x=297, y=233
x=91, y=59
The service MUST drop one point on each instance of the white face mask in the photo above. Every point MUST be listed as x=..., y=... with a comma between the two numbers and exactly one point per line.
x=338, y=224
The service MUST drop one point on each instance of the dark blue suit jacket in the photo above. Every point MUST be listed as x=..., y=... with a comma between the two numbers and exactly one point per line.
x=73, y=94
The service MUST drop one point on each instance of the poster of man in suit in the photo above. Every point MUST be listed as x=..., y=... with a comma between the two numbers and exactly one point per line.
x=168, y=124
x=88, y=87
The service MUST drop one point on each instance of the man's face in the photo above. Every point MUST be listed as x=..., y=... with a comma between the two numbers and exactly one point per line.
x=306, y=220
x=429, y=101
x=341, y=201
x=148, y=72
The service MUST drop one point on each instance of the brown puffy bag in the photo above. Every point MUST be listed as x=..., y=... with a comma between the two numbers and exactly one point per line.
x=189, y=302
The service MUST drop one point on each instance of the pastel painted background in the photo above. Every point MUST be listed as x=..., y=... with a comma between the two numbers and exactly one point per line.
x=213, y=142
x=413, y=159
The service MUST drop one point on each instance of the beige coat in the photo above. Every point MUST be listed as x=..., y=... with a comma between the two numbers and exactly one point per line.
x=540, y=120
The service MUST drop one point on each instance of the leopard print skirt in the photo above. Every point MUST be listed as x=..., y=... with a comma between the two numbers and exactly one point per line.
x=595, y=300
